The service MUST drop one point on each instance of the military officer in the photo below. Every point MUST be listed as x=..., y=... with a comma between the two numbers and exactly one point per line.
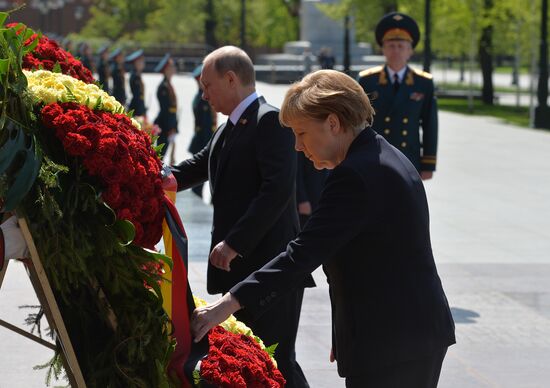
x=103, y=70
x=118, y=73
x=137, y=104
x=403, y=97
x=167, y=118
x=205, y=123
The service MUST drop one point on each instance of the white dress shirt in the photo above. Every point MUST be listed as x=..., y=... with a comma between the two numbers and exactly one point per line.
x=239, y=110
x=400, y=74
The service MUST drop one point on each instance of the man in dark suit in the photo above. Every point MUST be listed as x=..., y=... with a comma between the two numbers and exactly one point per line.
x=403, y=97
x=370, y=232
x=251, y=165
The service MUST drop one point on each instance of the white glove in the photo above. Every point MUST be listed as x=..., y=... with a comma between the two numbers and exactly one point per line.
x=15, y=246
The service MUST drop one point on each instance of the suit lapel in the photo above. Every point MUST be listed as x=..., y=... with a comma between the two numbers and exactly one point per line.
x=213, y=156
x=222, y=152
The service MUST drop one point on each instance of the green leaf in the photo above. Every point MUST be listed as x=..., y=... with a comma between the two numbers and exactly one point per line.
x=3, y=17
x=159, y=257
x=57, y=69
x=99, y=104
x=70, y=95
x=125, y=231
x=4, y=66
x=271, y=349
x=197, y=377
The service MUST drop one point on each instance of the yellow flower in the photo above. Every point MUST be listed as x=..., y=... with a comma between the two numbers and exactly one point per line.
x=48, y=88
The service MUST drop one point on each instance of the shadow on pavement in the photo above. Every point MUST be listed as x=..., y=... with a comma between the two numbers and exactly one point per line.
x=463, y=315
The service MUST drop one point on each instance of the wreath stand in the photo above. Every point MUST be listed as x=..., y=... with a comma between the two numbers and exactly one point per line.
x=46, y=298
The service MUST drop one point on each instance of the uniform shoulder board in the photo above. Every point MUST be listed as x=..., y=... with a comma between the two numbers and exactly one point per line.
x=372, y=70
x=421, y=73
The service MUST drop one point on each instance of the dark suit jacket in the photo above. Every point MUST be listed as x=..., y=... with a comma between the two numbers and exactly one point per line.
x=252, y=180
x=371, y=234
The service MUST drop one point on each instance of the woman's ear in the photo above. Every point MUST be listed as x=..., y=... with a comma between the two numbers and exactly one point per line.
x=334, y=123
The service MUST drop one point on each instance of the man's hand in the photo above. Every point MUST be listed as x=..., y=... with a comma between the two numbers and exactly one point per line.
x=304, y=208
x=222, y=255
x=425, y=175
x=205, y=318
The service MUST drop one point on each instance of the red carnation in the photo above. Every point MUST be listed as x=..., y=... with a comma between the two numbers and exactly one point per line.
x=48, y=53
x=238, y=361
x=115, y=152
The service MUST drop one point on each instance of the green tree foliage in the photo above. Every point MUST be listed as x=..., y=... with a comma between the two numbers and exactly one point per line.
x=270, y=23
x=174, y=21
x=118, y=19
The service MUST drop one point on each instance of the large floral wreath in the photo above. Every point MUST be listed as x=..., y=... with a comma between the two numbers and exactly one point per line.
x=94, y=201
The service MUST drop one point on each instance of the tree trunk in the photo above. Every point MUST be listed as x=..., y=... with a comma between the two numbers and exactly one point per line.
x=210, y=25
x=486, y=58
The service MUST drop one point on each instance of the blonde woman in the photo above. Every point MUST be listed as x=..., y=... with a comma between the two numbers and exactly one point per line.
x=391, y=320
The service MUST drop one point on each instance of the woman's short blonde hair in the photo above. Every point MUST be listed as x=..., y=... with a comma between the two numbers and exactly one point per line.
x=323, y=92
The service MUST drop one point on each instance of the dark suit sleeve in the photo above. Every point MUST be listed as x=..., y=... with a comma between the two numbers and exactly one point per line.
x=301, y=193
x=276, y=160
x=194, y=170
x=429, y=131
x=345, y=209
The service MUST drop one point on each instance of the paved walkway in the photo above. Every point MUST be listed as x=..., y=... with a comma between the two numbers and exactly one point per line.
x=491, y=236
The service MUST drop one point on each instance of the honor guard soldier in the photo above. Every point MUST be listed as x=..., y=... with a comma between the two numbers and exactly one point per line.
x=403, y=97
x=205, y=123
x=118, y=74
x=103, y=70
x=167, y=119
x=137, y=104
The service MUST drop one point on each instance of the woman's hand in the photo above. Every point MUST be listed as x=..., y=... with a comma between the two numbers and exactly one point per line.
x=205, y=318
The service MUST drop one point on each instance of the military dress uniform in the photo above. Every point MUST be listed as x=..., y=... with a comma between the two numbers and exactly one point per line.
x=103, y=69
x=118, y=74
x=205, y=124
x=167, y=118
x=205, y=120
x=404, y=105
x=137, y=104
x=103, y=74
x=401, y=113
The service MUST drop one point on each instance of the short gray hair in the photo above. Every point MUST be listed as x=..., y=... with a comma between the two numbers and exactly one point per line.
x=231, y=58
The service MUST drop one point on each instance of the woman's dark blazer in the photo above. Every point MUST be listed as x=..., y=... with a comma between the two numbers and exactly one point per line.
x=371, y=234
